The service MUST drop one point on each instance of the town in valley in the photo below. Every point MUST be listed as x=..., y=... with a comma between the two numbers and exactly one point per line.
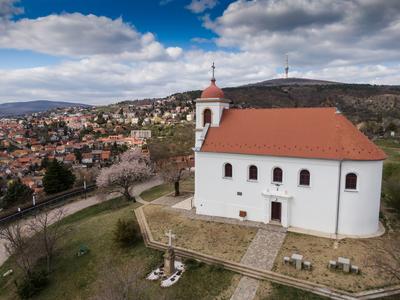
x=199, y=149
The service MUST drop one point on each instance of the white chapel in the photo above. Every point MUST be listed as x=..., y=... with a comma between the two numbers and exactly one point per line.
x=306, y=169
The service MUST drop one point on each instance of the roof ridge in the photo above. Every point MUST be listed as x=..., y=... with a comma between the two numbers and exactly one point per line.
x=285, y=108
x=298, y=132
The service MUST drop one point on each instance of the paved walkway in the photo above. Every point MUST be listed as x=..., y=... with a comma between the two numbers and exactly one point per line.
x=185, y=204
x=260, y=254
x=262, y=250
x=170, y=200
x=73, y=207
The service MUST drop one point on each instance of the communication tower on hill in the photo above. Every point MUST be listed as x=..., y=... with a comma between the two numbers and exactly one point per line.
x=287, y=67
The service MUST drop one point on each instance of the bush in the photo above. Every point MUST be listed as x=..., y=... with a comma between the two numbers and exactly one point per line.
x=126, y=233
x=217, y=268
x=17, y=192
x=32, y=285
x=392, y=192
x=192, y=264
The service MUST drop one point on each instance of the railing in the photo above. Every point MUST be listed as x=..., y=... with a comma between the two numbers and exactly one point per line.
x=50, y=200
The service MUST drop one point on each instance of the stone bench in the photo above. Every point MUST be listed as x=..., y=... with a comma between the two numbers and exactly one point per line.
x=307, y=265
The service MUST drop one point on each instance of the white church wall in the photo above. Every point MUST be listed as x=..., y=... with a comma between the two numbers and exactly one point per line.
x=312, y=208
x=359, y=209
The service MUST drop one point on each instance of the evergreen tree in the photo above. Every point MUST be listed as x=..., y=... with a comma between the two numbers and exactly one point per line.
x=78, y=155
x=58, y=178
x=45, y=163
x=17, y=192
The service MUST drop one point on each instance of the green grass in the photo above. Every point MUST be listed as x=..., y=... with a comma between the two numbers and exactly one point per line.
x=79, y=277
x=282, y=292
x=166, y=188
x=391, y=148
x=157, y=192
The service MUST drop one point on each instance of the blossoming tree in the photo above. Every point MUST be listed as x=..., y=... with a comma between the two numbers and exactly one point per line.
x=133, y=168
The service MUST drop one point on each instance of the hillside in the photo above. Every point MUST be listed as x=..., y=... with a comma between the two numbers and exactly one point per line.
x=291, y=81
x=364, y=104
x=28, y=107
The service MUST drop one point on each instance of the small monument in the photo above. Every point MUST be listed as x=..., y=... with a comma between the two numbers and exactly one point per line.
x=170, y=272
x=169, y=256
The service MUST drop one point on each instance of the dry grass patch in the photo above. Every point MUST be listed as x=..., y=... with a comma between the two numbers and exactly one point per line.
x=218, y=239
x=227, y=293
x=320, y=250
x=264, y=290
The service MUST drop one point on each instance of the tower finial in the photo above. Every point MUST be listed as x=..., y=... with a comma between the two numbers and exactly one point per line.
x=287, y=66
x=213, y=71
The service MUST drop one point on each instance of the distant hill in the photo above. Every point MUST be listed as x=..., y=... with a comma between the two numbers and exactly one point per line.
x=29, y=107
x=374, y=106
x=292, y=81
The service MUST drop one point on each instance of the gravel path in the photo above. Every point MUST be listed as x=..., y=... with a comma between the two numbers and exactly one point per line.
x=261, y=254
x=73, y=207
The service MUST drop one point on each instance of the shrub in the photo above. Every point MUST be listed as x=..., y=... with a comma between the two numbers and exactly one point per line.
x=192, y=264
x=125, y=233
x=32, y=285
x=217, y=268
x=17, y=192
x=392, y=192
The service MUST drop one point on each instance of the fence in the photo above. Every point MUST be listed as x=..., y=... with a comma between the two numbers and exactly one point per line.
x=50, y=200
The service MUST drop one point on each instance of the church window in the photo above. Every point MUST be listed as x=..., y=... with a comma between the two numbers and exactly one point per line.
x=304, y=178
x=277, y=175
x=351, y=181
x=228, y=170
x=253, y=173
x=206, y=117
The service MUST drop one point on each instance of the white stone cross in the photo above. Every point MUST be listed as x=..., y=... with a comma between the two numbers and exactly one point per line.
x=170, y=237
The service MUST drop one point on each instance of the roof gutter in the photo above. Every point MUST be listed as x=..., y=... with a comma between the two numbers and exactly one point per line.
x=338, y=198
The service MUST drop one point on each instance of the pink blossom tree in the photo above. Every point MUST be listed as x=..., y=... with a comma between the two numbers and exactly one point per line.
x=133, y=168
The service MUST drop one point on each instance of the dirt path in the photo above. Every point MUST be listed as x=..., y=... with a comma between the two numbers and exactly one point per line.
x=73, y=207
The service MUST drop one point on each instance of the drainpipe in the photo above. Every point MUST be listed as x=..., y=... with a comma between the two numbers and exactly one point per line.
x=338, y=198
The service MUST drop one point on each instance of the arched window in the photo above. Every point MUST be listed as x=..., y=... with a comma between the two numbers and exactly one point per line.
x=206, y=117
x=277, y=175
x=351, y=181
x=304, y=178
x=228, y=170
x=253, y=173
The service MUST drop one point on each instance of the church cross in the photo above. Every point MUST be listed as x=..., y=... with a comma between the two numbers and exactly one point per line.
x=170, y=237
x=213, y=70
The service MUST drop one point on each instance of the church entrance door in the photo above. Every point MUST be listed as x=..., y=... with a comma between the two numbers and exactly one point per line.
x=276, y=209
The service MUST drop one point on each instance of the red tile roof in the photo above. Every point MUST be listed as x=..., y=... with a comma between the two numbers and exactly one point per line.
x=290, y=132
x=213, y=91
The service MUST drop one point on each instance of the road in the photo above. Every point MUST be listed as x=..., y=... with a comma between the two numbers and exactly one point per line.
x=73, y=207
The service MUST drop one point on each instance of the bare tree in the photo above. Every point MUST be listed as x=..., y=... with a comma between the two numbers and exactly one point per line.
x=25, y=250
x=173, y=171
x=133, y=168
x=120, y=282
x=46, y=235
x=386, y=256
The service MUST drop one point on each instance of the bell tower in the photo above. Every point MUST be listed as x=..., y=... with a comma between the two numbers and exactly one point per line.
x=209, y=109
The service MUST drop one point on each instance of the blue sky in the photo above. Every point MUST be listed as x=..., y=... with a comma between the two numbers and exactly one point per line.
x=170, y=21
x=102, y=51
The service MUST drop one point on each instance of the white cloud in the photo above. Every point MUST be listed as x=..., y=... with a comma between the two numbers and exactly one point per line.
x=314, y=32
x=78, y=35
x=108, y=60
x=201, y=40
x=8, y=9
x=199, y=6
